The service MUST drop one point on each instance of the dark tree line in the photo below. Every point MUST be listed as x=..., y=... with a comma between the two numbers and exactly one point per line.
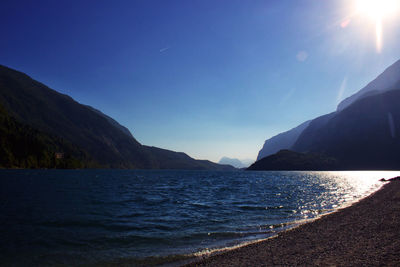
x=22, y=146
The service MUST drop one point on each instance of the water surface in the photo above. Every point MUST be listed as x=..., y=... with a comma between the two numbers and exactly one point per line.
x=75, y=217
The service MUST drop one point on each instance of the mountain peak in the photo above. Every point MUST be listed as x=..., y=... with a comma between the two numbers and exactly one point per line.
x=236, y=162
x=384, y=82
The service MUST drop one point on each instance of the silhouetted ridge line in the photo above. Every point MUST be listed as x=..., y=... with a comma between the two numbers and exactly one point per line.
x=105, y=142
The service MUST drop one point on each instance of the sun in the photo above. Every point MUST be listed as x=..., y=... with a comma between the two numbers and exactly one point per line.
x=378, y=10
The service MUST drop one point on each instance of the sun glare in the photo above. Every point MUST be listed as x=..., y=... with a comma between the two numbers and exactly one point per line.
x=378, y=10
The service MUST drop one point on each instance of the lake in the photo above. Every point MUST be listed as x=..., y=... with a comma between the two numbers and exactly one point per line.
x=101, y=217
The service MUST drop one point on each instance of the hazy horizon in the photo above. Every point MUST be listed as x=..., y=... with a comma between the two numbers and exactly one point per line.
x=210, y=79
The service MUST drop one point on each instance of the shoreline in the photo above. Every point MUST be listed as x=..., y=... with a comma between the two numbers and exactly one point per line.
x=364, y=233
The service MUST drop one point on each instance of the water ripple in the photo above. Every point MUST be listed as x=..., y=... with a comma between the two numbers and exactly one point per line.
x=101, y=216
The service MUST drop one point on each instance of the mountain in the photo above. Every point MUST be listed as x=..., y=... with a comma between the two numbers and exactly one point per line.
x=308, y=135
x=341, y=134
x=247, y=162
x=166, y=159
x=385, y=81
x=107, y=143
x=112, y=122
x=286, y=160
x=236, y=162
x=24, y=147
x=34, y=104
x=363, y=136
x=281, y=141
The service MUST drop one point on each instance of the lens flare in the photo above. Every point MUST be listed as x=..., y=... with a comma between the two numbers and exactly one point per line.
x=378, y=10
x=379, y=35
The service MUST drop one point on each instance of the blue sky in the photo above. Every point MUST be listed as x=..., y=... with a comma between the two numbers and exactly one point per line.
x=210, y=78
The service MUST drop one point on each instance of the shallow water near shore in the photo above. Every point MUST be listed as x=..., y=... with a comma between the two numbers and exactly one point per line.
x=101, y=217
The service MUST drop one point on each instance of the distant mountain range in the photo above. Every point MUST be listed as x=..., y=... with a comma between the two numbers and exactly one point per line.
x=237, y=163
x=42, y=128
x=364, y=132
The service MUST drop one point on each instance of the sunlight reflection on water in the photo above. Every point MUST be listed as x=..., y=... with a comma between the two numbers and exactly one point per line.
x=350, y=186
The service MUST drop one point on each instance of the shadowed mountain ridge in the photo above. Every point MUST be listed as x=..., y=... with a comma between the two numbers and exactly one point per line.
x=363, y=136
x=108, y=143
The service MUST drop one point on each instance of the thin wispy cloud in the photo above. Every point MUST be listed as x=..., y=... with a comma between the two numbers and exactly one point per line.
x=287, y=96
x=164, y=49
